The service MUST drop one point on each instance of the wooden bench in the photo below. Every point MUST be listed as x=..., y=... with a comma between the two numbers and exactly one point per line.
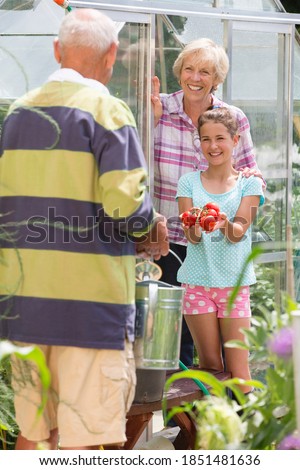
x=183, y=390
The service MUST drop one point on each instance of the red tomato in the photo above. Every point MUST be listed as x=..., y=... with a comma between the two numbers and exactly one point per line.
x=209, y=216
x=208, y=223
x=212, y=212
x=185, y=218
x=212, y=205
x=189, y=217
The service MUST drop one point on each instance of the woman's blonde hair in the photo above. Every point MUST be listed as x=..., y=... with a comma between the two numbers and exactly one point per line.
x=205, y=50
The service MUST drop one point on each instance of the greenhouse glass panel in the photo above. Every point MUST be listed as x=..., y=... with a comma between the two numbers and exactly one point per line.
x=268, y=289
x=44, y=18
x=26, y=46
x=27, y=30
x=18, y=4
x=258, y=81
x=247, y=5
x=132, y=73
x=17, y=75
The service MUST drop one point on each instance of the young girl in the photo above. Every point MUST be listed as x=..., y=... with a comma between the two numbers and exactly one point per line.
x=214, y=260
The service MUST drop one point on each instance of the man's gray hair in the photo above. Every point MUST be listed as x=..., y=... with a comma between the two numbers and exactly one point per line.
x=88, y=28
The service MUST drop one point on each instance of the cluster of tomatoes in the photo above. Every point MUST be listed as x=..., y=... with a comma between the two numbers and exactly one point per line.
x=207, y=216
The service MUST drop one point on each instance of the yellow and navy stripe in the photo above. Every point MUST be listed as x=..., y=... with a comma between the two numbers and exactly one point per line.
x=73, y=189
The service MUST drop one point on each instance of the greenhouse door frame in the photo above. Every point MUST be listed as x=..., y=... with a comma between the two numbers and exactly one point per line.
x=285, y=37
x=286, y=34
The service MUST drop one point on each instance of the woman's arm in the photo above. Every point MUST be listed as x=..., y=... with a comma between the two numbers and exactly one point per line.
x=193, y=234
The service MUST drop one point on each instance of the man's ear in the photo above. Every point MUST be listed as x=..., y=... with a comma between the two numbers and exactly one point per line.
x=56, y=48
x=111, y=55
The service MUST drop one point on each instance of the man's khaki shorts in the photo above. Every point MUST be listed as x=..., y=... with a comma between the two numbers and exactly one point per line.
x=90, y=394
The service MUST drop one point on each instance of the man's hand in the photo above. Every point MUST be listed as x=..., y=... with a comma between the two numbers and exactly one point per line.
x=155, y=99
x=156, y=243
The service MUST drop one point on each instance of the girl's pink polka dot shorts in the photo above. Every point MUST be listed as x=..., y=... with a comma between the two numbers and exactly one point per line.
x=199, y=300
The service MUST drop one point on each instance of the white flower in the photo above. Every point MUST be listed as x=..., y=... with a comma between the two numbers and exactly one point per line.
x=218, y=425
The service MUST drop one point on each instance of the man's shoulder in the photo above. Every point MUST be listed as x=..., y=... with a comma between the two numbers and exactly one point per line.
x=107, y=110
x=26, y=98
x=114, y=112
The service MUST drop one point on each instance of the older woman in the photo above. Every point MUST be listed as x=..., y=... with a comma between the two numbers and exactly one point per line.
x=200, y=67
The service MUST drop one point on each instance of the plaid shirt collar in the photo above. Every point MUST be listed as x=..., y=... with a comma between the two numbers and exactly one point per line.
x=174, y=104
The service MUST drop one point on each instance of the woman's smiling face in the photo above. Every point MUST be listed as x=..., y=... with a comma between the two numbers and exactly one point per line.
x=197, y=78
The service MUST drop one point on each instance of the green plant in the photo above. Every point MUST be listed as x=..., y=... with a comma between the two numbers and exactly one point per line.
x=8, y=426
x=271, y=412
x=266, y=418
x=263, y=292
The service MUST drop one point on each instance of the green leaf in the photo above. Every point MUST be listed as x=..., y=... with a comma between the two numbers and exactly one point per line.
x=251, y=336
x=231, y=384
x=266, y=435
x=251, y=383
x=216, y=386
x=184, y=408
x=236, y=343
x=34, y=354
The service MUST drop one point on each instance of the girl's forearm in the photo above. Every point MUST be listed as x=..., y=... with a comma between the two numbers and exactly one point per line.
x=191, y=236
x=233, y=231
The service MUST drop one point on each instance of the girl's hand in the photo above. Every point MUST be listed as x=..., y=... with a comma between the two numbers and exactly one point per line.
x=155, y=99
x=193, y=233
x=221, y=222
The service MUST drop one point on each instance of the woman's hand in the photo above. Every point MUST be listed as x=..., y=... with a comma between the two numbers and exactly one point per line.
x=250, y=172
x=155, y=99
x=246, y=172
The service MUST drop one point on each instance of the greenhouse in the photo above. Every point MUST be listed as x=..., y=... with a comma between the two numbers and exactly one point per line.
x=262, y=42
x=263, y=46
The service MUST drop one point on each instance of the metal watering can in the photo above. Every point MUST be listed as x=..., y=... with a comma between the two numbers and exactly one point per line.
x=157, y=324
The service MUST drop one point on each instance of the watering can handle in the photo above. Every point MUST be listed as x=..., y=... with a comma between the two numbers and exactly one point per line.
x=176, y=256
x=153, y=294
